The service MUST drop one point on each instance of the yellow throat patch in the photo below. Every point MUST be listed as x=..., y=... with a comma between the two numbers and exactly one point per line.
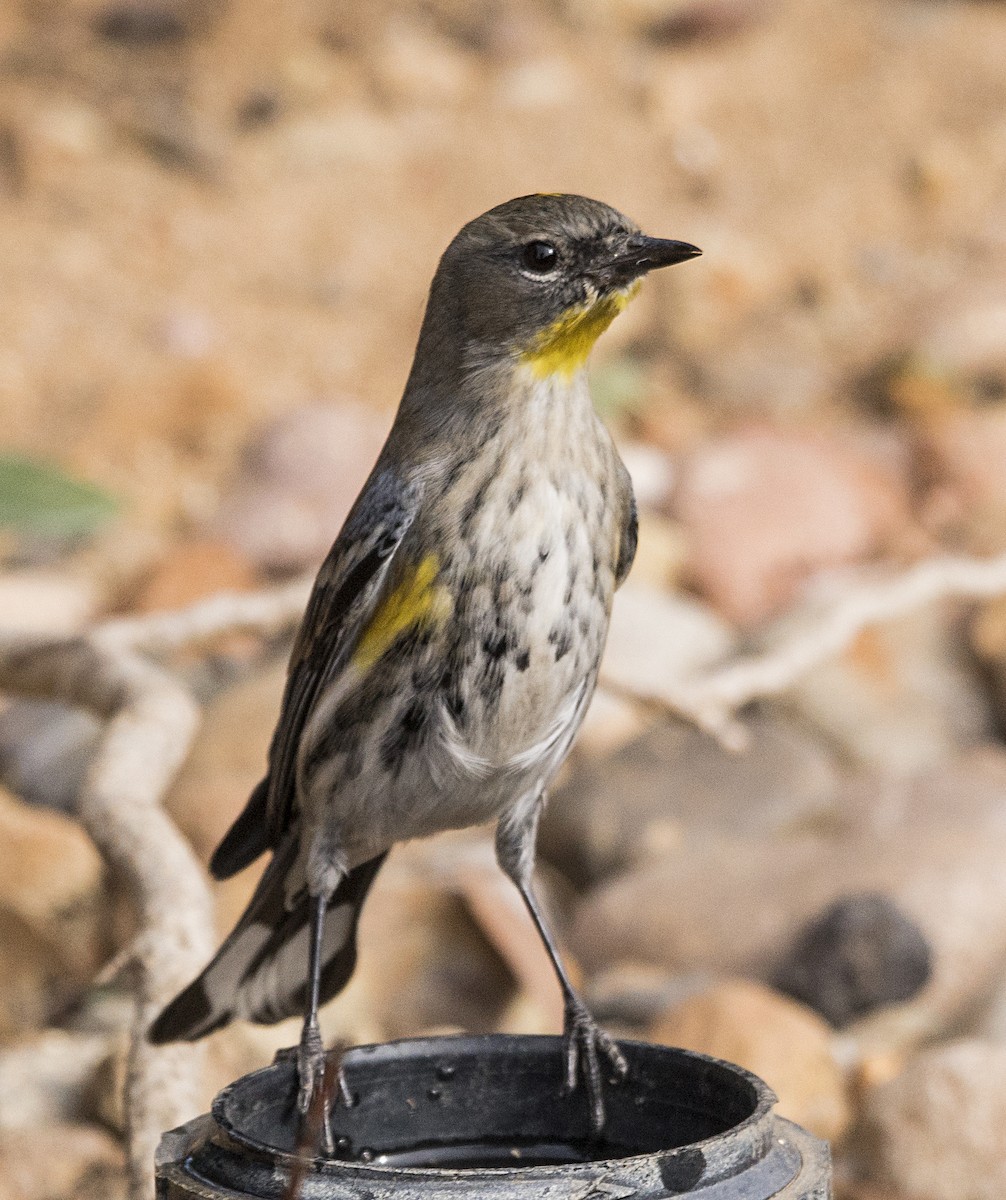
x=415, y=601
x=562, y=348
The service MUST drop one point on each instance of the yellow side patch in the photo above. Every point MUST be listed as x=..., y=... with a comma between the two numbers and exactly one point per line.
x=562, y=348
x=417, y=600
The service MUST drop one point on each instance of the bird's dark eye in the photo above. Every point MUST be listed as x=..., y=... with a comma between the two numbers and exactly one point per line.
x=539, y=257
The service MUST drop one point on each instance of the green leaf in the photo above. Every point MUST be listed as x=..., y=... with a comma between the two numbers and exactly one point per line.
x=36, y=498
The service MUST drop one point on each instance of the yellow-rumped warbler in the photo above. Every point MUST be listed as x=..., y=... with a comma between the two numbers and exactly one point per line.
x=452, y=641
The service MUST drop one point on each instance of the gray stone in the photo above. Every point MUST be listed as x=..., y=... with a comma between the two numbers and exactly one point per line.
x=675, y=785
x=727, y=904
x=45, y=751
x=904, y=697
x=858, y=955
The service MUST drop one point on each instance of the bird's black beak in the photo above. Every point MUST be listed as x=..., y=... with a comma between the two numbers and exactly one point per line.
x=641, y=254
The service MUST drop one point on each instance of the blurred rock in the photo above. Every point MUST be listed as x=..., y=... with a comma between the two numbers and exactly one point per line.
x=962, y=456
x=104, y=1095
x=46, y=602
x=860, y=954
x=81, y=1161
x=634, y=994
x=656, y=637
x=784, y=1043
x=653, y=637
x=707, y=20
x=415, y=64
x=661, y=553
x=52, y=915
x=353, y=138
x=672, y=421
x=651, y=472
x=227, y=759
x=498, y=910
x=192, y=571
x=611, y=721
x=44, y=1080
x=933, y=844
x=987, y=637
x=51, y=878
x=30, y=973
x=903, y=697
x=141, y=23
x=989, y=1021
x=967, y=337
x=674, y=21
x=673, y=787
x=45, y=751
x=540, y=84
x=938, y=1131
x=765, y=508
x=298, y=481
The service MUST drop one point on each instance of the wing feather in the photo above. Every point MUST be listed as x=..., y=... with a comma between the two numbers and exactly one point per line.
x=346, y=592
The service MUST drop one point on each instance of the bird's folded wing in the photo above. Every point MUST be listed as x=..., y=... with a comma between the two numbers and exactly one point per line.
x=347, y=593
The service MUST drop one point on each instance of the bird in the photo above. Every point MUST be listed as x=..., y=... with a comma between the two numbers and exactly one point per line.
x=452, y=640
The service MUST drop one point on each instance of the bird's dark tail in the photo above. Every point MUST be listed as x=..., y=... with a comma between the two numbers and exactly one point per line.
x=260, y=972
x=247, y=838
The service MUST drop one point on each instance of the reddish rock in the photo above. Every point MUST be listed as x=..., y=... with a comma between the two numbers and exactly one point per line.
x=297, y=483
x=61, y=1160
x=193, y=570
x=784, y=1043
x=964, y=455
x=938, y=1130
x=51, y=888
x=763, y=509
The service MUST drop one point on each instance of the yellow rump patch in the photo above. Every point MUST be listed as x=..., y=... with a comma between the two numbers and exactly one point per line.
x=563, y=347
x=415, y=601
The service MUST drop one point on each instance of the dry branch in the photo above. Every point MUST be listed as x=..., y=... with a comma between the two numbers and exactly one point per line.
x=151, y=720
x=712, y=701
x=266, y=613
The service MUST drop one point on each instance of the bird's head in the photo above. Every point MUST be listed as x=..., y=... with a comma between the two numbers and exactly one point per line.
x=538, y=279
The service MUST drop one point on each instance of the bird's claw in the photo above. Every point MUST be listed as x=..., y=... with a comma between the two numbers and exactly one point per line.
x=345, y=1095
x=585, y=1042
x=312, y=1095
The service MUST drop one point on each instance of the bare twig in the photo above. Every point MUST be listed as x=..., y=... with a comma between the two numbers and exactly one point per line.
x=266, y=613
x=151, y=721
x=712, y=701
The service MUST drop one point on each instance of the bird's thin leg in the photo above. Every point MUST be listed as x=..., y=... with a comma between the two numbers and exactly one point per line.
x=515, y=838
x=311, y=1052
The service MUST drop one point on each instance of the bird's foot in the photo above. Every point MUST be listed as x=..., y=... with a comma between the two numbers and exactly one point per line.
x=349, y=1100
x=586, y=1042
x=313, y=1102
